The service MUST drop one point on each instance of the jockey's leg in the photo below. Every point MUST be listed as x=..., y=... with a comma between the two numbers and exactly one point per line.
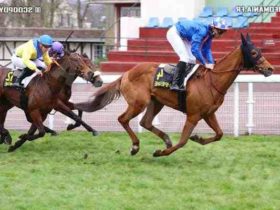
x=182, y=49
x=25, y=73
x=181, y=71
x=178, y=78
x=17, y=62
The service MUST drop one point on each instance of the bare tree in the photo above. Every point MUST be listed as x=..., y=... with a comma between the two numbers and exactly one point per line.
x=54, y=5
x=81, y=13
x=43, y=19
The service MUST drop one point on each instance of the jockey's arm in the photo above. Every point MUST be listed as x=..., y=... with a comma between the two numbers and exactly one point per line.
x=47, y=58
x=26, y=56
x=196, y=48
x=207, y=52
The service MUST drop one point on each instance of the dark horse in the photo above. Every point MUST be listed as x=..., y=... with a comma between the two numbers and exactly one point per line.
x=42, y=94
x=66, y=92
x=205, y=94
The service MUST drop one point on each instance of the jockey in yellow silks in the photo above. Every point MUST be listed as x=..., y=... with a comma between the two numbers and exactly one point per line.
x=27, y=56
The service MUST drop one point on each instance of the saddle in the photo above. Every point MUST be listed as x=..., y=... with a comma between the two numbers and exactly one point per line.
x=11, y=77
x=164, y=77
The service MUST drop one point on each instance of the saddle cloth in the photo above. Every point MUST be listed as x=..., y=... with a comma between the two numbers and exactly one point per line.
x=12, y=76
x=164, y=75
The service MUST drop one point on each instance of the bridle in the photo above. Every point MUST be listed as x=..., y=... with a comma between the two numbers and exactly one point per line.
x=253, y=67
x=218, y=72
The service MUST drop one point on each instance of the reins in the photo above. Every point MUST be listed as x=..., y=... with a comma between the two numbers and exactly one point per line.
x=217, y=72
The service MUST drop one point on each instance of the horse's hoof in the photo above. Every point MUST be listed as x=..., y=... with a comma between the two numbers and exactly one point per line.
x=8, y=140
x=23, y=136
x=157, y=153
x=95, y=133
x=12, y=148
x=168, y=144
x=54, y=134
x=194, y=138
x=70, y=127
x=134, y=150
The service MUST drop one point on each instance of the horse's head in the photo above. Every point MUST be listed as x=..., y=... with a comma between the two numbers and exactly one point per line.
x=81, y=65
x=95, y=75
x=253, y=58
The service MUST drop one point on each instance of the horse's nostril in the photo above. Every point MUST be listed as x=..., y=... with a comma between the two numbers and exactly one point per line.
x=98, y=83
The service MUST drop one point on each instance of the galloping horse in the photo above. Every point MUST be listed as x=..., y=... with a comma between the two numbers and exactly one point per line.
x=42, y=94
x=66, y=92
x=205, y=94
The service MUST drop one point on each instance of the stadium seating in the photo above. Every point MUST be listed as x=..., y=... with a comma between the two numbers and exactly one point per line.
x=207, y=20
x=206, y=12
x=235, y=19
x=250, y=14
x=240, y=22
x=167, y=22
x=152, y=46
x=182, y=18
x=221, y=12
x=153, y=22
x=234, y=13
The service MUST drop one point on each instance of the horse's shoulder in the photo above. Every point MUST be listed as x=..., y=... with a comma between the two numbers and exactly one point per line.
x=200, y=72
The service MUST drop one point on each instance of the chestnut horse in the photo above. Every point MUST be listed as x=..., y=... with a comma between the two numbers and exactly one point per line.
x=205, y=94
x=42, y=94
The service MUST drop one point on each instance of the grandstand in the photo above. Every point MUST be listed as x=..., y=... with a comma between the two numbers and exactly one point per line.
x=153, y=46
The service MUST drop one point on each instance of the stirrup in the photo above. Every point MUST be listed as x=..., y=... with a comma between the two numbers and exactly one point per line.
x=17, y=84
x=177, y=88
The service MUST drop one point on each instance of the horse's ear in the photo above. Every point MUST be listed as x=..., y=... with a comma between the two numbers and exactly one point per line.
x=244, y=42
x=66, y=52
x=248, y=38
x=85, y=55
x=72, y=50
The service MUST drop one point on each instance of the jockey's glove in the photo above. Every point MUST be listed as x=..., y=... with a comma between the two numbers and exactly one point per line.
x=39, y=72
x=209, y=66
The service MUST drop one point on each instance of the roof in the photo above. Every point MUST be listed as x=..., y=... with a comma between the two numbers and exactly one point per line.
x=116, y=1
x=78, y=35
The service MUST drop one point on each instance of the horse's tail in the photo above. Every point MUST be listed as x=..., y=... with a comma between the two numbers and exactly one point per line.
x=103, y=97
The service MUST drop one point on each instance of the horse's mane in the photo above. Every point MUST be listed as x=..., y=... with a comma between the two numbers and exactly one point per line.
x=201, y=71
x=225, y=56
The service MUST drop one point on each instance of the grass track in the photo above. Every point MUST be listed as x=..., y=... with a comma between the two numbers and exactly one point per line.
x=52, y=173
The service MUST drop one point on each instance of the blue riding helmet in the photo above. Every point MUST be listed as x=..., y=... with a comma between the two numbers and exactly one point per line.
x=46, y=40
x=221, y=23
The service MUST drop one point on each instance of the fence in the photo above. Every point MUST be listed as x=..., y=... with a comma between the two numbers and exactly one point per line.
x=250, y=106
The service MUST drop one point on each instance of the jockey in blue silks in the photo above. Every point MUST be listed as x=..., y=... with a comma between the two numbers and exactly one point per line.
x=192, y=40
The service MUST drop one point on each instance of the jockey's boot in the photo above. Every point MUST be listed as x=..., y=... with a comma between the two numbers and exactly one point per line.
x=178, y=78
x=182, y=70
x=25, y=72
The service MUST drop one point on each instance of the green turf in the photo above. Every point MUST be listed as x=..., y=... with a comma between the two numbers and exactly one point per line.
x=78, y=171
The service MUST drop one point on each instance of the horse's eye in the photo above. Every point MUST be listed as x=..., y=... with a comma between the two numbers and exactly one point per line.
x=254, y=53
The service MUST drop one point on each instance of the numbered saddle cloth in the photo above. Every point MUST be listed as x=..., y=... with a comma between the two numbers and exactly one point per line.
x=12, y=76
x=164, y=75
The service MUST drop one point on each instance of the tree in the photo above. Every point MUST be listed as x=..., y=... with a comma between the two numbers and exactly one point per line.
x=81, y=13
x=43, y=19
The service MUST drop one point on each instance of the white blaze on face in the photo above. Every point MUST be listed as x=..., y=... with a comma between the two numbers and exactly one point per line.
x=96, y=73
